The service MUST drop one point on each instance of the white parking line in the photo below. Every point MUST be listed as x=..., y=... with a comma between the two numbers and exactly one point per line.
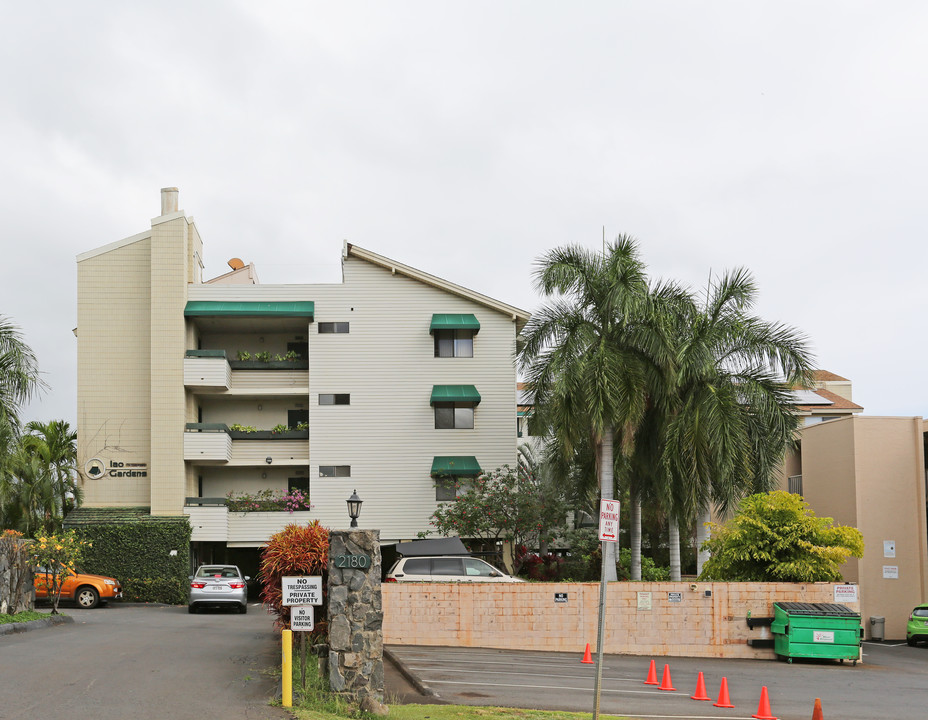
x=534, y=674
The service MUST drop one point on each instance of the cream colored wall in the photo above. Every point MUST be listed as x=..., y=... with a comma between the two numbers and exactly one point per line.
x=524, y=616
x=219, y=481
x=891, y=489
x=170, y=273
x=868, y=472
x=113, y=358
x=245, y=411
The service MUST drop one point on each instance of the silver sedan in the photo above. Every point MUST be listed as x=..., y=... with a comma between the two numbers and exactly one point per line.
x=218, y=585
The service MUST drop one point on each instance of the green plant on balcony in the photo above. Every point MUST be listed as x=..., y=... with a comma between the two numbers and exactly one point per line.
x=243, y=428
x=263, y=356
x=302, y=426
x=291, y=356
x=280, y=428
x=244, y=355
x=268, y=500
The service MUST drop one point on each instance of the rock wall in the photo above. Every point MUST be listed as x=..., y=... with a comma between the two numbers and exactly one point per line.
x=355, y=615
x=16, y=589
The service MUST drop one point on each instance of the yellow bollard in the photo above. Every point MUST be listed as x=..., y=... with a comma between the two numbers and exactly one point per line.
x=286, y=641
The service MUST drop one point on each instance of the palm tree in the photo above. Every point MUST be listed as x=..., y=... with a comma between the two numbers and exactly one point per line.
x=19, y=371
x=56, y=444
x=722, y=425
x=590, y=355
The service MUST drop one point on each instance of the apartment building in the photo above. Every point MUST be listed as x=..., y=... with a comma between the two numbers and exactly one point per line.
x=390, y=383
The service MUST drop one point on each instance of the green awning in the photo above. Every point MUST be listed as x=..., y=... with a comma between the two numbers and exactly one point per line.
x=448, y=321
x=212, y=308
x=455, y=393
x=443, y=465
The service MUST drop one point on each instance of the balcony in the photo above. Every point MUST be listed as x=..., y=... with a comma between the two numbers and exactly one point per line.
x=215, y=444
x=211, y=372
x=207, y=443
x=214, y=523
x=207, y=370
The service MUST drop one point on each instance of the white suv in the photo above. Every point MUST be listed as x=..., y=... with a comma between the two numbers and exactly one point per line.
x=446, y=569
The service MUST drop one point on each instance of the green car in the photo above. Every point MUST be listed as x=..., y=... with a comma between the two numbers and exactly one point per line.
x=917, y=629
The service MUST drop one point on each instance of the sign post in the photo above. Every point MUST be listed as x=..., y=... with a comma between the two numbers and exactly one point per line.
x=608, y=532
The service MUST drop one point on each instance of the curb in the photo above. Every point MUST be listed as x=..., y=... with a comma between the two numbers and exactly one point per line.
x=413, y=679
x=12, y=628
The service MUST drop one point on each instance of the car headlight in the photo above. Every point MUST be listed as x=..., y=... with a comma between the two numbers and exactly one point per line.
x=109, y=582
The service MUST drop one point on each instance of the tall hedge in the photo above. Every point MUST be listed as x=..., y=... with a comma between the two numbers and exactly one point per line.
x=139, y=556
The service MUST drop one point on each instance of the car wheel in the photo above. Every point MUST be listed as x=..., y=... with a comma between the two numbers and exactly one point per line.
x=911, y=642
x=191, y=609
x=243, y=609
x=87, y=597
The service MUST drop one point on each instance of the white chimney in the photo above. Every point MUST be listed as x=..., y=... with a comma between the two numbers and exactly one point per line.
x=168, y=200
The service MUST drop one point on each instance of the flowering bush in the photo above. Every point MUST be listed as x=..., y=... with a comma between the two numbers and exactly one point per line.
x=268, y=501
x=58, y=554
x=546, y=568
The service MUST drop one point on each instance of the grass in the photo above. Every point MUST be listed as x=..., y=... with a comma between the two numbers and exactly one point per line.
x=22, y=617
x=317, y=702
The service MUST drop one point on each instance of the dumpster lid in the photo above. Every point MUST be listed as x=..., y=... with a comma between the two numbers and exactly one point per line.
x=819, y=609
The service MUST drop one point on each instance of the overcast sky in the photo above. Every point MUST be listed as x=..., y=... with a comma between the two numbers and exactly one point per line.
x=467, y=138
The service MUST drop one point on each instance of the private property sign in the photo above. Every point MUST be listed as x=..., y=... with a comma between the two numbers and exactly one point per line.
x=609, y=520
x=305, y=590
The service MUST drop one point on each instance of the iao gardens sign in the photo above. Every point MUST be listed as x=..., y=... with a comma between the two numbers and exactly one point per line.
x=96, y=468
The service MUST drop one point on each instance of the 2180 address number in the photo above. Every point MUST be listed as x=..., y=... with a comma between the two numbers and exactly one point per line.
x=358, y=562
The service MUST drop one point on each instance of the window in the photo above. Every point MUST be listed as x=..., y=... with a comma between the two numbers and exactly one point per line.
x=795, y=484
x=295, y=418
x=454, y=343
x=416, y=566
x=454, y=415
x=478, y=568
x=333, y=327
x=335, y=471
x=336, y=399
x=298, y=483
x=452, y=487
x=447, y=566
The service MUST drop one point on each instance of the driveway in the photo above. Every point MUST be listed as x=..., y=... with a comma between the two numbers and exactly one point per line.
x=143, y=662
x=891, y=683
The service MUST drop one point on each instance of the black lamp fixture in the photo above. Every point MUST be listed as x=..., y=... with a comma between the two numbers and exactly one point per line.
x=354, y=508
x=268, y=460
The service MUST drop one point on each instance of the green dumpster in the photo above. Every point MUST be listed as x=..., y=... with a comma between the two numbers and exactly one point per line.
x=816, y=630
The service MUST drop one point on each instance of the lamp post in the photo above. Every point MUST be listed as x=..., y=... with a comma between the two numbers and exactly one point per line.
x=354, y=508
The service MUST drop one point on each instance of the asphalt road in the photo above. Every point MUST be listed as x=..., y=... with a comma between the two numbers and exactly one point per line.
x=891, y=683
x=131, y=661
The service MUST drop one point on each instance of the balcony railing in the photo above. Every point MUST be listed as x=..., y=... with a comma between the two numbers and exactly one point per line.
x=215, y=523
x=215, y=443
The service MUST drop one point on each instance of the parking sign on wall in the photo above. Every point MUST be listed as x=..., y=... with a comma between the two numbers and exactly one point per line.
x=609, y=520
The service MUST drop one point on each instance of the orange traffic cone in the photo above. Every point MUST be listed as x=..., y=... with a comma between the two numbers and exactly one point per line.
x=763, y=707
x=700, y=689
x=652, y=675
x=723, y=695
x=817, y=710
x=665, y=682
x=587, y=657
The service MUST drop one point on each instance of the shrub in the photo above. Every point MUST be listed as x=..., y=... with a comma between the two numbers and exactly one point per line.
x=295, y=550
x=244, y=355
x=545, y=568
x=268, y=501
x=263, y=356
x=138, y=554
x=243, y=428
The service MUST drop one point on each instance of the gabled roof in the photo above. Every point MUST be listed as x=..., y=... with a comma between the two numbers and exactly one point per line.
x=831, y=403
x=520, y=317
x=825, y=376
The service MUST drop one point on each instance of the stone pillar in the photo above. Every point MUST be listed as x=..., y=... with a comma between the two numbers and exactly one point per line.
x=355, y=616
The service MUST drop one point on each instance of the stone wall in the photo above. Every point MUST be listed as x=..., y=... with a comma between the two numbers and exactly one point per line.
x=14, y=551
x=526, y=616
x=355, y=615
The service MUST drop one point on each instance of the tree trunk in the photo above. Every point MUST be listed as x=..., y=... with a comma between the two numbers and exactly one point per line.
x=636, y=539
x=673, y=531
x=606, y=486
x=702, y=534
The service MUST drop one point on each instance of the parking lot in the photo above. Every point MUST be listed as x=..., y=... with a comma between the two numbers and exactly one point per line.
x=892, y=682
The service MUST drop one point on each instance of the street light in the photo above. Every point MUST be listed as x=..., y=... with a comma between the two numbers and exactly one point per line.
x=354, y=508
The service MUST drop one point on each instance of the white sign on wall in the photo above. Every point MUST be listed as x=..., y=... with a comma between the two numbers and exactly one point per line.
x=302, y=617
x=609, y=520
x=304, y=590
x=845, y=593
x=891, y=572
x=644, y=601
x=889, y=548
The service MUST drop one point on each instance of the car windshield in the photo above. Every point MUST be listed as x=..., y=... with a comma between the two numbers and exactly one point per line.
x=920, y=612
x=226, y=572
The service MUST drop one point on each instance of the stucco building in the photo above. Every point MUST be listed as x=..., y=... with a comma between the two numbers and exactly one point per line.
x=191, y=389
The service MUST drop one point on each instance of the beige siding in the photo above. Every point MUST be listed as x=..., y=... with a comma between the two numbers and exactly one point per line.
x=270, y=382
x=207, y=447
x=113, y=380
x=208, y=523
x=207, y=373
x=253, y=529
x=281, y=452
